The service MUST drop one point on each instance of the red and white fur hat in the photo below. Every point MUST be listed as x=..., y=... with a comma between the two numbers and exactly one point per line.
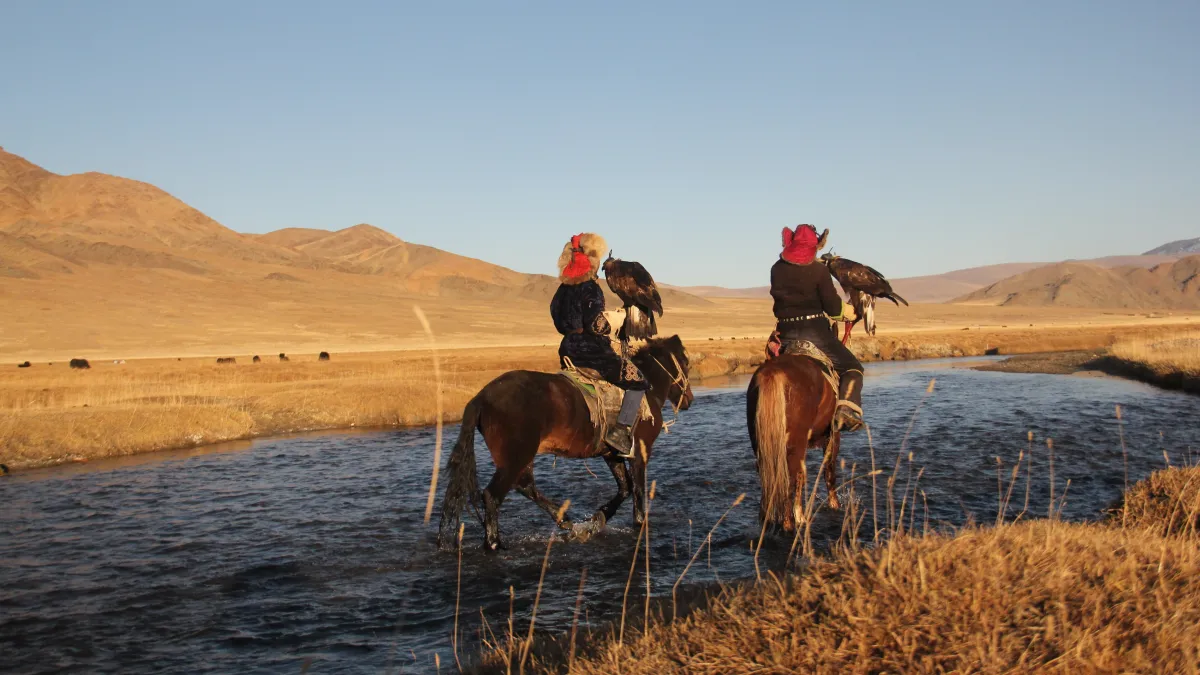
x=580, y=258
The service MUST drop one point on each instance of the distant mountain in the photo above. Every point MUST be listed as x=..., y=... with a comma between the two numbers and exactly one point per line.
x=949, y=285
x=1170, y=285
x=56, y=225
x=1181, y=247
x=67, y=214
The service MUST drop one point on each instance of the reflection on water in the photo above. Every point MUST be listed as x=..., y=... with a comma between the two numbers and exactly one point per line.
x=314, y=547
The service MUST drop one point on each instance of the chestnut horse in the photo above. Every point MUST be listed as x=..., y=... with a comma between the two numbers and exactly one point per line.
x=524, y=413
x=789, y=409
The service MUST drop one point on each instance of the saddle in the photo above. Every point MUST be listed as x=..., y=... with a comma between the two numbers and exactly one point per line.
x=603, y=400
x=777, y=347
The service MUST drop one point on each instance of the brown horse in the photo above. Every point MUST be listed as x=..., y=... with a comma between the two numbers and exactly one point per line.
x=789, y=409
x=524, y=413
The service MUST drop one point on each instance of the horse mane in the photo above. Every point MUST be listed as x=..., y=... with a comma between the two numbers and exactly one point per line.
x=661, y=347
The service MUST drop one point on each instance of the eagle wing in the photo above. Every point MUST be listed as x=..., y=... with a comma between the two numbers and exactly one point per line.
x=634, y=285
x=860, y=277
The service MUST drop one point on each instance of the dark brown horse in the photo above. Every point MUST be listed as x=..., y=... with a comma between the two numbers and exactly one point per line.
x=524, y=413
x=789, y=409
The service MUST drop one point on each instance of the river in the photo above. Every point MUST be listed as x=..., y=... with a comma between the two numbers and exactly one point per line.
x=273, y=554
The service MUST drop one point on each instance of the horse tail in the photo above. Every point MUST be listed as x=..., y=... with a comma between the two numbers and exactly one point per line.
x=464, y=484
x=770, y=428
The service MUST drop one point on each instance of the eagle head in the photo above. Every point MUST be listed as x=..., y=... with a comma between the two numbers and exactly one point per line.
x=828, y=257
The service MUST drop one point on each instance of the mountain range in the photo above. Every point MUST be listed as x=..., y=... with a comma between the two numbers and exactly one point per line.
x=56, y=226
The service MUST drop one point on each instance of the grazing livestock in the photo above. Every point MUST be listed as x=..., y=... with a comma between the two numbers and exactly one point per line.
x=282, y=356
x=3, y=469
x=26, y=364
x=227, y=359
x=256, y=359
x=81, y=364
x=323, y=356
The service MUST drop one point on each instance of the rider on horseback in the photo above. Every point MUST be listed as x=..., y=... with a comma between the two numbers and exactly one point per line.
x=805, y=302
x=578, y=313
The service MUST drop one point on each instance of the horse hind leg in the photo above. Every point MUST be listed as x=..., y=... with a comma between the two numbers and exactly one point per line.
x=528, y=487
x=832, y=447
x=492, y=497
x=798, y=470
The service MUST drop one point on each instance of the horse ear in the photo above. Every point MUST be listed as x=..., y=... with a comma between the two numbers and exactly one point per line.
x=787, y=236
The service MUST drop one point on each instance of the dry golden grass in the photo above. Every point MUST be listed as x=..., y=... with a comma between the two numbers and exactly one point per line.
x=50, y=414
x=1040, y=596
x=1175, y=354
x=1167, y=361
x=1167, y=503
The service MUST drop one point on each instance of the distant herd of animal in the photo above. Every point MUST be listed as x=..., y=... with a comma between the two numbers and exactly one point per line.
x=82, y=364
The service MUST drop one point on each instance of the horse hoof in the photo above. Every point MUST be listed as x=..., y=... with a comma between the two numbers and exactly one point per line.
x=581, y=532
x=835, y=504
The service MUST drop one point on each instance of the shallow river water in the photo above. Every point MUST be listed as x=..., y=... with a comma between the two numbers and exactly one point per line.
x=312, y=550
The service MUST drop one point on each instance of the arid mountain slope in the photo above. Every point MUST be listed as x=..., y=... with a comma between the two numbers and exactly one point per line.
x=77, y=210
x=96, y=262
x=1172, y=285
x=1181, y=247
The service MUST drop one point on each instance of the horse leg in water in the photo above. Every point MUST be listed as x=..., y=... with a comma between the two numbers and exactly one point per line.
x=798, y=471
x=624, y=487
x=833, y=444
x=637, y=480
x=492, y=497
x=527, y=487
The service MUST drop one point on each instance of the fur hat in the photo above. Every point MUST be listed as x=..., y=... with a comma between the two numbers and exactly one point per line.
x=580, y=258
x=800, y=246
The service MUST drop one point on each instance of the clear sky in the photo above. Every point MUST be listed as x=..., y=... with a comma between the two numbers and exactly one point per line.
x=928, y=136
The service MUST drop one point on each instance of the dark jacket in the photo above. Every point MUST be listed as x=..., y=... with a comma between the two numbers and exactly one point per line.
x=803, y=290
x=807, y=290
x=578, y=314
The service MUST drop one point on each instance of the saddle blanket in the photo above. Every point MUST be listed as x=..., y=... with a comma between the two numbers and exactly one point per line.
x=777, y=347
x=603, y=400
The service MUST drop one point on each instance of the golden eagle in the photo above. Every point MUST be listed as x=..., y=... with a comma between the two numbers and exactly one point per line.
x=635, y=287
x=863, y=284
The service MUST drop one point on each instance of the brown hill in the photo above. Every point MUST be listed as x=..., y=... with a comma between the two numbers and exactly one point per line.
x=97, y=262
x=1173, y=285
x=54, y=212
x=291, y=237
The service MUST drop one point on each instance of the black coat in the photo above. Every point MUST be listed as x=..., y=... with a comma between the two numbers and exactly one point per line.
x=578, y=314
x=807, y=290
x=803, y=290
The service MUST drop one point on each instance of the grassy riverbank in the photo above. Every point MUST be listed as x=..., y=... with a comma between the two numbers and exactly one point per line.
x=1037, y=596
x=51, y=414
x=1172, y=362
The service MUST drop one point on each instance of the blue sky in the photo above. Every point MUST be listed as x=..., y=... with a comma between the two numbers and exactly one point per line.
x=928, y=136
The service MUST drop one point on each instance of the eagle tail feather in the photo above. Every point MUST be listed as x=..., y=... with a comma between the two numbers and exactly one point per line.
x=639, y=325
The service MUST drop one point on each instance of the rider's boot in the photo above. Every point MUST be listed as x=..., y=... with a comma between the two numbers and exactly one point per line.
x=620, y=435
x=848, y=414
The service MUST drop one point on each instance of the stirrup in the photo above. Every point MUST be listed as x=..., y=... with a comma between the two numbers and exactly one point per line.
x=848, y=416
x=620, y=439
